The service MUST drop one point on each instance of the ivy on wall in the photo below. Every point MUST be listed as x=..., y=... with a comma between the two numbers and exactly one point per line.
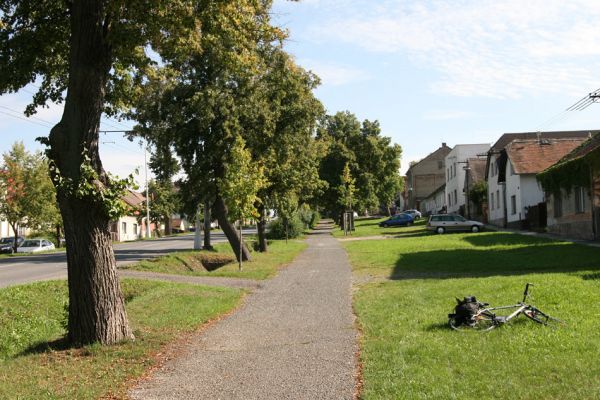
x=570, y=173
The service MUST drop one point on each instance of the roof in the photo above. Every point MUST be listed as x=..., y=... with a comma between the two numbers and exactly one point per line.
x=584, y=149
x=133, y=198
x=436, y=191
x=509, y=137
x=534, y=156
x=477, y=166
x=442, y=149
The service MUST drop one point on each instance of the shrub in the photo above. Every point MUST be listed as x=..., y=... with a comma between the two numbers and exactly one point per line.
x=295, y=228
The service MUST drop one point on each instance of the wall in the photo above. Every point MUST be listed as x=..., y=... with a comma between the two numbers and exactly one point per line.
x=495, y=210
x=129, y=234
x=455, y=161
x=571, y=224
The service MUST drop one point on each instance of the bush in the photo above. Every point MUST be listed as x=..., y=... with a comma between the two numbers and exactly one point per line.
x=295, y=228
x=316, y=217
x=309, y=217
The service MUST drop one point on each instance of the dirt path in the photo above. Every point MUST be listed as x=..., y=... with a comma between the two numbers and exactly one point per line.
x=294, y=339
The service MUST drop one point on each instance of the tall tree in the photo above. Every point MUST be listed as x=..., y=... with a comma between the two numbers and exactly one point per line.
x=27, y=197
x=203, y=102
x=94, y=51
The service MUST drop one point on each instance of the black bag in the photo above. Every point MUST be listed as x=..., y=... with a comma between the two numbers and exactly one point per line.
x=465, y=310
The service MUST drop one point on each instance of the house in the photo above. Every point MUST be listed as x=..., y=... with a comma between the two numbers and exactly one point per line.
x=572, y=188
x=435, y=203
x=425, y=176
x=511, y=168
x=476, y=209
x=456, y=162
x=128, y=227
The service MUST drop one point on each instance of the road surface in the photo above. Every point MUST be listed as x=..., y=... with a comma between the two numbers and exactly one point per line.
x=24, y=269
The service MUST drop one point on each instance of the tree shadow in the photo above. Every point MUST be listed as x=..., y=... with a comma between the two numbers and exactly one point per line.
x=60, y=344
x=487, y=239
x=551, y=257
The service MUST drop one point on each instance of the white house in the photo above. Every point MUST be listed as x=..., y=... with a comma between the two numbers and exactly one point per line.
x=456, y=162
x=512, y=165
x=434, y=203
x=128, y=227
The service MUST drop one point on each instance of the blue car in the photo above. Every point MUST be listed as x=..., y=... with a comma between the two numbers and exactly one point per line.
x=397, y=220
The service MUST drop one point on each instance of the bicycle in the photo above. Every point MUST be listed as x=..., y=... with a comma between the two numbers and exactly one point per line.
x=485, y=319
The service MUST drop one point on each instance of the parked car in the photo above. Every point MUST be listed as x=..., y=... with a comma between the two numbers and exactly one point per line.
x=415, y=214
x=6, y=244
x=35, y=246
x=441, y=223
x=397, y=220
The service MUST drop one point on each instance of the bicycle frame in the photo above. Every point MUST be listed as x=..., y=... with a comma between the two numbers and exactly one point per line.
x=520, y=308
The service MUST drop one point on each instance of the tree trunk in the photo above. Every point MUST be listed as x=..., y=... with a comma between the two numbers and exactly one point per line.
x=220, y=209
x=168, y=227
x=207, y=227
x=261, y=228
x=15, y=228
x=58, y=235
x=96, y=305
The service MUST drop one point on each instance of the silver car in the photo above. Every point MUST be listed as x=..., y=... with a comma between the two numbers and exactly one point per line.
x=441, y=223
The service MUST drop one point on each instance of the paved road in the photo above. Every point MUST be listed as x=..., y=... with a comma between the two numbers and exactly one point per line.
x=293, y=339
x=24, y=269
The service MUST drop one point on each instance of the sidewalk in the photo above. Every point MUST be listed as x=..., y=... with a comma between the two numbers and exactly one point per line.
x=293, y=339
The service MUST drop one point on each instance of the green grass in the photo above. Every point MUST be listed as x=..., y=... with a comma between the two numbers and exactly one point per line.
x=409, y=352
x=34, y=364
x=262, y=266
x=370, y=227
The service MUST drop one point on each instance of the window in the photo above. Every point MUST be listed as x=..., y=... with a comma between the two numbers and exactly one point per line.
x=447, y=174
x=449, y=199
x=579, y=200
x=454, y=169
x=557, y=205
x=440, y=164
x=492, y=169
x=492, y=201
x=135, y=229
x=513, y=204
x=455, y=197
x=497, y=199
x=124, y=227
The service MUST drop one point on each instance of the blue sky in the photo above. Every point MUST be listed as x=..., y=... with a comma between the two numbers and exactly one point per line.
x=455, y=71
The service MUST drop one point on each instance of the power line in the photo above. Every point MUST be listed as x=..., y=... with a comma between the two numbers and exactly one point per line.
x=25, y=119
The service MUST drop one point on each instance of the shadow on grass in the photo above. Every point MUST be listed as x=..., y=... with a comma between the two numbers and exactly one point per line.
x=550, y=257
x=61, y=344
x=488, y=239
x=400, y=235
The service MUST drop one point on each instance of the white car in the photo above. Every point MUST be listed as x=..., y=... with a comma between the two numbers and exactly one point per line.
x=416, y=214
x=35, y=246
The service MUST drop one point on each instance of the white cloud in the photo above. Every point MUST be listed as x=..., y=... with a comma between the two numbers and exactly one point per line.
x=333, y=74
x=490, y=48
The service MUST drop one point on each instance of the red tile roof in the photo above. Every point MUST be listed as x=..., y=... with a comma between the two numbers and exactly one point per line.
x=133, y=198
x=533, y=156
x=505, y=139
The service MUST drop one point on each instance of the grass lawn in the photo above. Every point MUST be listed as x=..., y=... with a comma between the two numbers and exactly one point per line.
x=370, y=227
x=409, y=352
x=34, y=364
x=262, y=266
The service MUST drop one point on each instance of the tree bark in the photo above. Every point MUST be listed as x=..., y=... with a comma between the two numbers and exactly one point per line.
x=96, y=306
x=168, y=227
x=15, y=229
x=220, y=209
x=261, y=228
x=207, y=227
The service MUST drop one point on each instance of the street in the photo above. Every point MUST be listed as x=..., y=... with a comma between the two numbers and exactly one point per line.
x=31, y=268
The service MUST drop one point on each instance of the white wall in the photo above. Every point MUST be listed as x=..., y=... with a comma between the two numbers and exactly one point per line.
x=495, y=208
x=455, y=174
x=129, y=234
x=527, y=190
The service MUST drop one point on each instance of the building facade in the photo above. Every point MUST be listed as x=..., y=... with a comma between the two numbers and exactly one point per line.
x=456, y=164
x=425, y=176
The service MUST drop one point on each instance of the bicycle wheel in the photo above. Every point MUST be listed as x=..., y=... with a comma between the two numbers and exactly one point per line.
x=481, y=322
x=540, y=317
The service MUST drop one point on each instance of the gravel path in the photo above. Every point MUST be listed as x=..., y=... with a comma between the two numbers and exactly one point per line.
x=198, y=280
x=293, y=339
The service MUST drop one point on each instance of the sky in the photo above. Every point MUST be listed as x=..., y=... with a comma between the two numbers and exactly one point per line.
x=431, y=71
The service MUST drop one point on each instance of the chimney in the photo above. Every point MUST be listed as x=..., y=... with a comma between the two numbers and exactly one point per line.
x=444, y=144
